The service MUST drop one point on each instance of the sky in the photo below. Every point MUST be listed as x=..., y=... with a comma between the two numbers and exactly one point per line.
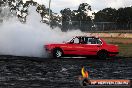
x=96, y=5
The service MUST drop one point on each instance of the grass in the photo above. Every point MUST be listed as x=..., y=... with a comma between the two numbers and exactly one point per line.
x=125, y=45
x=125, y=50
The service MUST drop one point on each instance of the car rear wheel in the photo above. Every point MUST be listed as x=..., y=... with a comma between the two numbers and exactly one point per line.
x=102, y=54
x=57, y=53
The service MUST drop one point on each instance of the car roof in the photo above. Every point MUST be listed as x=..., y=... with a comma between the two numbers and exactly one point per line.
x=87, y=36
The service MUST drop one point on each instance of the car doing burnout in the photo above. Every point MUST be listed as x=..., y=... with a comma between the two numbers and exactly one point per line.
x=83, y=46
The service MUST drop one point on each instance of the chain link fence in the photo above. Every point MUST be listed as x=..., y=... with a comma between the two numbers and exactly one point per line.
x=106, y=26
x=97, y=26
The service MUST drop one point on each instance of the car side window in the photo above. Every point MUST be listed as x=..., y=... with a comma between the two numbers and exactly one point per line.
x=89, y=41
x=79, y=40
x=82, y=40
x=76, y=41
x=93, y=41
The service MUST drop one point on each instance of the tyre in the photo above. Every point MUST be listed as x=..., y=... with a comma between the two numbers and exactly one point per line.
x=102, y=54
x=57, y=53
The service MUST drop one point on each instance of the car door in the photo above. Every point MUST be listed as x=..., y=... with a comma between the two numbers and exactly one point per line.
x=74, y=47
x=91, y=46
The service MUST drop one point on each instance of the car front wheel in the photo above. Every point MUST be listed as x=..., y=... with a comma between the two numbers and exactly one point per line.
x=57, y=53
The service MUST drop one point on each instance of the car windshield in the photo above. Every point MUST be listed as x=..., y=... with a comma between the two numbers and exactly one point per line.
x=69, y=39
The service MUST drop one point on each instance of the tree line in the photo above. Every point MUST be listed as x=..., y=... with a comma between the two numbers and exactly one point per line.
x=120, y=18
x=83, y=18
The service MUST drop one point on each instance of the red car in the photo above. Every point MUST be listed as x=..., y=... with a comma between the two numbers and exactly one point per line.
x=83, y=46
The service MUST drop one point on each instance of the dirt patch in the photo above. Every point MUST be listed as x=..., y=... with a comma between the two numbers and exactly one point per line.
x=58, y=73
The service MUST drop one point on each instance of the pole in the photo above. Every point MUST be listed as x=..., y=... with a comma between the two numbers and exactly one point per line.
x=49, y=11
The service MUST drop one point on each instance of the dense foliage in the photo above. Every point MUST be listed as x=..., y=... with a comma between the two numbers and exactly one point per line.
x=83, y=18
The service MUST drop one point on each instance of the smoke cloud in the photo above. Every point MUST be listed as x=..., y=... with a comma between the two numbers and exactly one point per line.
x=28, y=39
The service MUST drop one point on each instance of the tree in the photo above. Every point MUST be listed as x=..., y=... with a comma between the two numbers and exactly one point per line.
x=55, y=20
x=106, y=15
x=124, y=18
x=84, y=7
x=66, y=18
x=77, y=19
x=42, y=10
x=124, y=15
x=1, y=2
x=84, y=16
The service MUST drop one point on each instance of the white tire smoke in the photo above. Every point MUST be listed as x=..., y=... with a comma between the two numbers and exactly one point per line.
x=28, y=39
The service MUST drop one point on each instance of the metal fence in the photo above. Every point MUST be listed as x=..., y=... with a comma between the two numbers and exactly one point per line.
x=105, y=26
x=96, y=26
